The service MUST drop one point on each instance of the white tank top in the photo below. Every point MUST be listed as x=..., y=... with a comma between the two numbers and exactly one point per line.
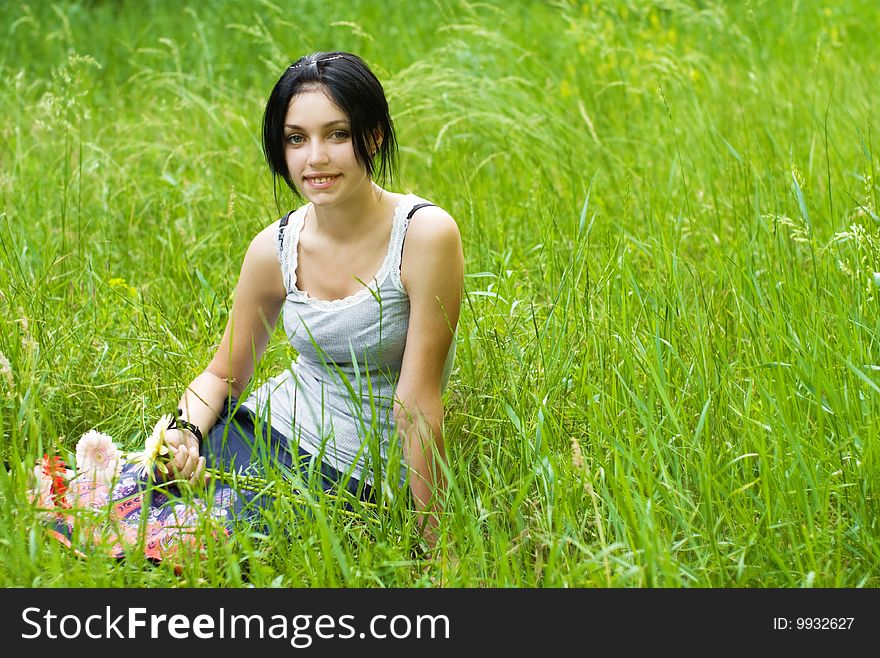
x=336, y=399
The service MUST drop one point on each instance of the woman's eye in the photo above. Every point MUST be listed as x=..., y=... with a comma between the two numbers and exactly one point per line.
x=339, y=134
x=295, y=139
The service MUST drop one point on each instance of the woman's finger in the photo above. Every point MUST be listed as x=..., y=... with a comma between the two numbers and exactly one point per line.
x=197, y=479
x=180, y=457
x=192, y=461
x=180, y=462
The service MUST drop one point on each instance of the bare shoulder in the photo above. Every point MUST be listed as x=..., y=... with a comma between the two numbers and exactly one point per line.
x=263, y=248
x=265, y=240
x=432, y=228
x=432, y=248
x=261, y=270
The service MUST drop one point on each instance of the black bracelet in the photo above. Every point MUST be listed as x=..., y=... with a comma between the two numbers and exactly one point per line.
x=178, y=423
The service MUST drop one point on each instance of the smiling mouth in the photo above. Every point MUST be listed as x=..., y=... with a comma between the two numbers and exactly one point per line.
x=320, y=180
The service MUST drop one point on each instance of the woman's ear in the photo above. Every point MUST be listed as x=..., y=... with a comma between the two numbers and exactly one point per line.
x=377, y=141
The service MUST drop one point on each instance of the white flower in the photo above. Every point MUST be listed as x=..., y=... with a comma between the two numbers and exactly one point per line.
x=98, y=458
x=150, y=458
x=41, y=487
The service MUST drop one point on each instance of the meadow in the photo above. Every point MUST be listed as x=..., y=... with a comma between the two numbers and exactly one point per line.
x=668, y=359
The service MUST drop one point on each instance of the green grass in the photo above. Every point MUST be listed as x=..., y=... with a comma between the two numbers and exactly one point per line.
x=668, y=353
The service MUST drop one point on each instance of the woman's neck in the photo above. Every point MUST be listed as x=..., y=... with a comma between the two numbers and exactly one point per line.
x=361, y=214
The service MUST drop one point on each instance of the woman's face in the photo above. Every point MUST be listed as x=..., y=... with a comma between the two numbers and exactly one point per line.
x=319, y=150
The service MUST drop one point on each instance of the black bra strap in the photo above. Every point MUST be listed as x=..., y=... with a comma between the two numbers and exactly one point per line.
x=416, y=207
x=281, y=228
x=409, y=217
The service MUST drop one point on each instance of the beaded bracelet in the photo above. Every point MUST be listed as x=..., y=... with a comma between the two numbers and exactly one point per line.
x=178, y=423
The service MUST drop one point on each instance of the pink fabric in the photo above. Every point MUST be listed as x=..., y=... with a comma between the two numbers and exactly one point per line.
x=134, y=515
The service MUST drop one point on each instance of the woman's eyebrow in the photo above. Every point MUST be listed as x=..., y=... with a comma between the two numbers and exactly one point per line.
x=329, y=124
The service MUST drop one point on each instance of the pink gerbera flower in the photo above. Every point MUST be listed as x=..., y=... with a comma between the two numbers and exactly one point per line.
x=98, y=458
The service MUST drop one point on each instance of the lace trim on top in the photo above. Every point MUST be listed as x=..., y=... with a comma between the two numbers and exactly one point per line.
x=289, y=241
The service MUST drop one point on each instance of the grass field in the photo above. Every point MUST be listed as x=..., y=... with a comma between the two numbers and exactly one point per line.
x=668, y=359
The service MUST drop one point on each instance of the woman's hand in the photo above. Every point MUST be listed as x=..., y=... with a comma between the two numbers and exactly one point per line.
x=432, y=272
x=185, y=463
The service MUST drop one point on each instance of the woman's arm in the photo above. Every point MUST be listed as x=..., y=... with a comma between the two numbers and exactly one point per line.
x=432, y=271
x=256, y=306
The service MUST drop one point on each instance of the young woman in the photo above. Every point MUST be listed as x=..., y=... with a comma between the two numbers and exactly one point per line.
x=368, y=283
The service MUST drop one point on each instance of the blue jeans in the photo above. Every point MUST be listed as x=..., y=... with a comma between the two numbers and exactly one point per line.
x=238, y=443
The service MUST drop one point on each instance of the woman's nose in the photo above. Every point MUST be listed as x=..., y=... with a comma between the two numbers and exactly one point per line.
x=317, y=151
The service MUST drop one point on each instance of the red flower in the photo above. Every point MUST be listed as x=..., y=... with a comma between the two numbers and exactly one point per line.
x=55, y=468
